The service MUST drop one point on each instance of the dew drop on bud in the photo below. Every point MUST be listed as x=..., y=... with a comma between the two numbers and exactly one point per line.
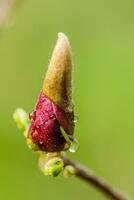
x=75, y=119
x=74, y=146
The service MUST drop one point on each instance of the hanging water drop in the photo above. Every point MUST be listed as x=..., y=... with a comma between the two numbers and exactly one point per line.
x=74, y=146
x=75, y=119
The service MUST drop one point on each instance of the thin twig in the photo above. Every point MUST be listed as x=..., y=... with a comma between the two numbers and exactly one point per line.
x=91, y=178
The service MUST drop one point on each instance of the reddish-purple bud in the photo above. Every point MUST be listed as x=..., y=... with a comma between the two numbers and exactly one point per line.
x=45, y=125
x=54, y=108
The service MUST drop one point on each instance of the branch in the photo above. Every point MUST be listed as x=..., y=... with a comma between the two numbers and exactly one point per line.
x=91, y=178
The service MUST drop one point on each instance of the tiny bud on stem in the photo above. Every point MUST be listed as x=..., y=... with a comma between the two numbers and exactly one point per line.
x=51, y=164
x=21, y=119
x=69, y=171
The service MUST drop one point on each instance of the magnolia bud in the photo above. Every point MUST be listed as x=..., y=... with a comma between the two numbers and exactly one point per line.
x=54, y=108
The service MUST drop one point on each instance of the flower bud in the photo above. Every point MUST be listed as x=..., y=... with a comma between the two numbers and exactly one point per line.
x=50, y=164
x=69, y=171
x=54, y=108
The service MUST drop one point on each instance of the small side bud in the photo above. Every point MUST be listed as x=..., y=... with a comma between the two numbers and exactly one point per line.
x=53, y=167
x=51, y=164
x=69, y=171
x=21, y=119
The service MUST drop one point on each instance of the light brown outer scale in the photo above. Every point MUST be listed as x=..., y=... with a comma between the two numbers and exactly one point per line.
x=58, y=81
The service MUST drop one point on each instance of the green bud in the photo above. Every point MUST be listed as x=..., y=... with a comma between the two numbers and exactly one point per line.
x=21, y=119
x=69, y=171
x=53, y=167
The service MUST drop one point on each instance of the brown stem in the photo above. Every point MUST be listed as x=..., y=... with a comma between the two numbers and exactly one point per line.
x=91, y=178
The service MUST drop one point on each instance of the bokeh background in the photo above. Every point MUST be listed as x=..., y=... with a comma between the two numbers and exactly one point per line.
x=102, y=38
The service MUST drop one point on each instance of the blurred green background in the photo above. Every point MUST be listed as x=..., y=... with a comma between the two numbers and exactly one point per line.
x=101, y=34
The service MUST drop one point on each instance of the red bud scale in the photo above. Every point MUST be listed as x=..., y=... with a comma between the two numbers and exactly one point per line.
x=54, y=108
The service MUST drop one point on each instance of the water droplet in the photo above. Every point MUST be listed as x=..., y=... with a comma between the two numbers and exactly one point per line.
x=40, y=142
x=32, y=115
x=52, y=116
x=74, y=146
x=75, y=119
